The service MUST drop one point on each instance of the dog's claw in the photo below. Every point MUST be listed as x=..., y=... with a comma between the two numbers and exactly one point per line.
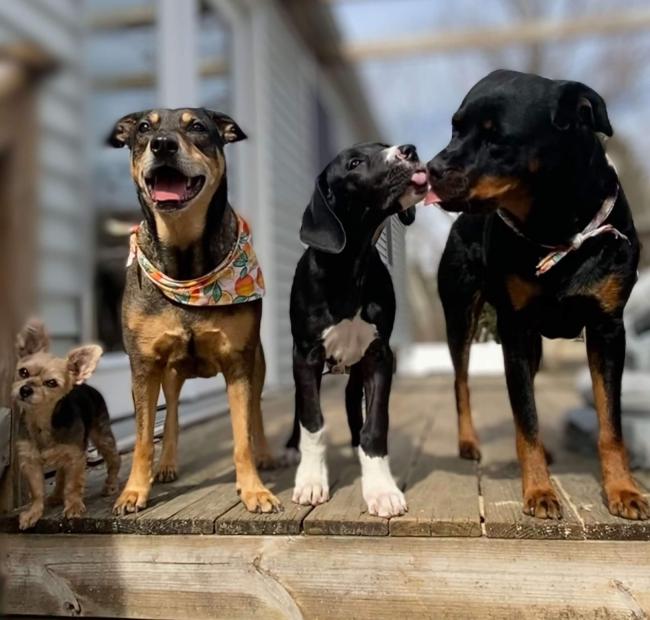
x=543, y=504
x=469, y=450
x=628, y=504
x=167, y=473
x=130, y=501
x=260, y=501
x=28, y=518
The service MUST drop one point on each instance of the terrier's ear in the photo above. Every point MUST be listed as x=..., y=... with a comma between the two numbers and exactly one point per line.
x=82, y=362
x=32, y=339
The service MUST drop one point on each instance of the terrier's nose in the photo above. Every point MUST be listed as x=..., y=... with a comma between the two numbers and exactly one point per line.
x=407, y=152
x=164, y=145
x=26, y=391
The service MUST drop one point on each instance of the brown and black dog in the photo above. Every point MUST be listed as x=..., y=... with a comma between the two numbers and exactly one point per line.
x=546, y=236
x=189, y=229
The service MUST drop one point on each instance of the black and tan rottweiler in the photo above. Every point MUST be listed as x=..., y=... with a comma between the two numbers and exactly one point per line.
x=189, y=230
x=547, y=237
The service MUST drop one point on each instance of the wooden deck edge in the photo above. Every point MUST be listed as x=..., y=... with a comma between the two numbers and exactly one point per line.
x=294, y=577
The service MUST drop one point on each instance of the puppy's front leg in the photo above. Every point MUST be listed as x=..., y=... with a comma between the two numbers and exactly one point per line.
x=312, y=483
x=239, y=375
x=74, y=483
x=606, y=353
x=382, y=495
x=146, y=388
x=32, y=469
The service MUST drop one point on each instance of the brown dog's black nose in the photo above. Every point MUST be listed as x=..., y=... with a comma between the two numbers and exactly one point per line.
x=26, y=391
x=407, y=152
x=164, y=145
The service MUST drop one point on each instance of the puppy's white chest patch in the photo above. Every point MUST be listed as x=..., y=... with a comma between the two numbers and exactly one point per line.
x=347, y=341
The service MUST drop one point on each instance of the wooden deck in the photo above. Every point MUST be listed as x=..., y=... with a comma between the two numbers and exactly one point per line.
x=457, y=511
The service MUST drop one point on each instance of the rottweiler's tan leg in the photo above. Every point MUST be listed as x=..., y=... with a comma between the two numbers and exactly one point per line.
x=146, y=388
x=32, y=469
x=240, y=378
x=172, y=383
x=74, y=466
x=606, y=353
x=263, y=455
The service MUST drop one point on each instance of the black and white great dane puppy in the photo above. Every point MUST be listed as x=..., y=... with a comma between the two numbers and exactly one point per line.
x=343, y=310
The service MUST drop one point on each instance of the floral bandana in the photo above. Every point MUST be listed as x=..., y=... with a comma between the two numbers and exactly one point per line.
x=237, y=280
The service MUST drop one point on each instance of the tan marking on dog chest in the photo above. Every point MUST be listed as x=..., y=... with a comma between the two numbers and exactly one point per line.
x=521, y=291
x=608, y=293
x=511, y=195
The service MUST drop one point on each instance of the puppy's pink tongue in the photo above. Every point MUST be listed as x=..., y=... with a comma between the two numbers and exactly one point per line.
x=168, y=189
x=419, y=177
x=431, y=198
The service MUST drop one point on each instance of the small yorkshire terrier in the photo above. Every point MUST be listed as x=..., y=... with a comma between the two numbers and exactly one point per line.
x=58, y=414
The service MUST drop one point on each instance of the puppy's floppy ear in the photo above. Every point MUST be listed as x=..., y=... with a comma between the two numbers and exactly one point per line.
x=321, y=228
x=578, y=104
x=82, y=362
x=407, y=216
x=32, y=339
x=230, y=131
x=123, y=130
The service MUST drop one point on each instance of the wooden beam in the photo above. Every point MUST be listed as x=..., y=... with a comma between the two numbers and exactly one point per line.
x=125, y=18
x=308, y=577
x=522, y=33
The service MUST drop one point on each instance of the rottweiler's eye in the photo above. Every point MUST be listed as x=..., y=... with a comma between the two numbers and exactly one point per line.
x=23, y=373
x=51, y=383
x=354, y=163
x=144, y=127
x=196, y=126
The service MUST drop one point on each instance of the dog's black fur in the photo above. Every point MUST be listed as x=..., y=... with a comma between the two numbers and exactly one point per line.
x=530, y=146
x=341, y=275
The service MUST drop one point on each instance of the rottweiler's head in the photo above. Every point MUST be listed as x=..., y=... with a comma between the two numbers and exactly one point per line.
x=177, y=157
x=362, y=186
x=515, y=131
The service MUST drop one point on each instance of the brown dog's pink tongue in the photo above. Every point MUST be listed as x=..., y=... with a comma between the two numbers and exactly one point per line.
x=168, y=189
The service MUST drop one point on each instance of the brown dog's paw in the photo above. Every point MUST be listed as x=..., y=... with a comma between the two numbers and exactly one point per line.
x=628, y=503
x=543, y=504
x=74, y=508
x=468, y=449
x=260, y=500
x=167, y=472
x=29, y=517
x=131, y=500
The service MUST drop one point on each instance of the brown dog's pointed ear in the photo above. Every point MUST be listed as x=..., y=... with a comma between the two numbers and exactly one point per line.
x=229, y=130
x=123, y=130
x=82, y=362
x=407, y=216
x=32, y=339
x=321, y=229
x=577, y=104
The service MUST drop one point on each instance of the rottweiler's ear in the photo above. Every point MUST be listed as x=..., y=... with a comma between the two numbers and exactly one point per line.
x=230, y=131
x=321, y=228
x=578, y=104
x=123, y=130
x=407, y=217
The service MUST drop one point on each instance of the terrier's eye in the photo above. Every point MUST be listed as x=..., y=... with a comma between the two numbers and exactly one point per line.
x=51, y=383
x=23, y=373
x=353, y=164
x=144, y=127
x=196, y=126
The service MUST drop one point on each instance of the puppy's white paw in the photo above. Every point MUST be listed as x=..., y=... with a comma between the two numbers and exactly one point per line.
x=381, y=494
x=312, y=480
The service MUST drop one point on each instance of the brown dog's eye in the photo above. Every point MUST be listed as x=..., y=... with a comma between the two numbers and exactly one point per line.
x=196, y=126
x=51, y=383
x=144, y=127
x=23, y=373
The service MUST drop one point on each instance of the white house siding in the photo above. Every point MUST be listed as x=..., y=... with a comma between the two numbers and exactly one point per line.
x=64, y=266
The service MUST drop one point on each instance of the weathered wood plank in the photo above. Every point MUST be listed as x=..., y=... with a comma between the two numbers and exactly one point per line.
x=316, y=577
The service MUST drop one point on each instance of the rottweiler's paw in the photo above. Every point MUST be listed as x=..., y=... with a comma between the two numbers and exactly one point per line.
x=167, y=472
x=468, y=449
x=628, y=503
x=543, y=504
x=260, y=500
x=131, y=500
x=74, y=508
x=310, y=492
x=29, y=517
x=385, y=502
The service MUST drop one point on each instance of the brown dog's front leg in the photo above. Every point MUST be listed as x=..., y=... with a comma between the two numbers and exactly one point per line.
x=172, y=383
x=32, y=469
x=146, y=388
x=241, y=392
x=606, y=353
